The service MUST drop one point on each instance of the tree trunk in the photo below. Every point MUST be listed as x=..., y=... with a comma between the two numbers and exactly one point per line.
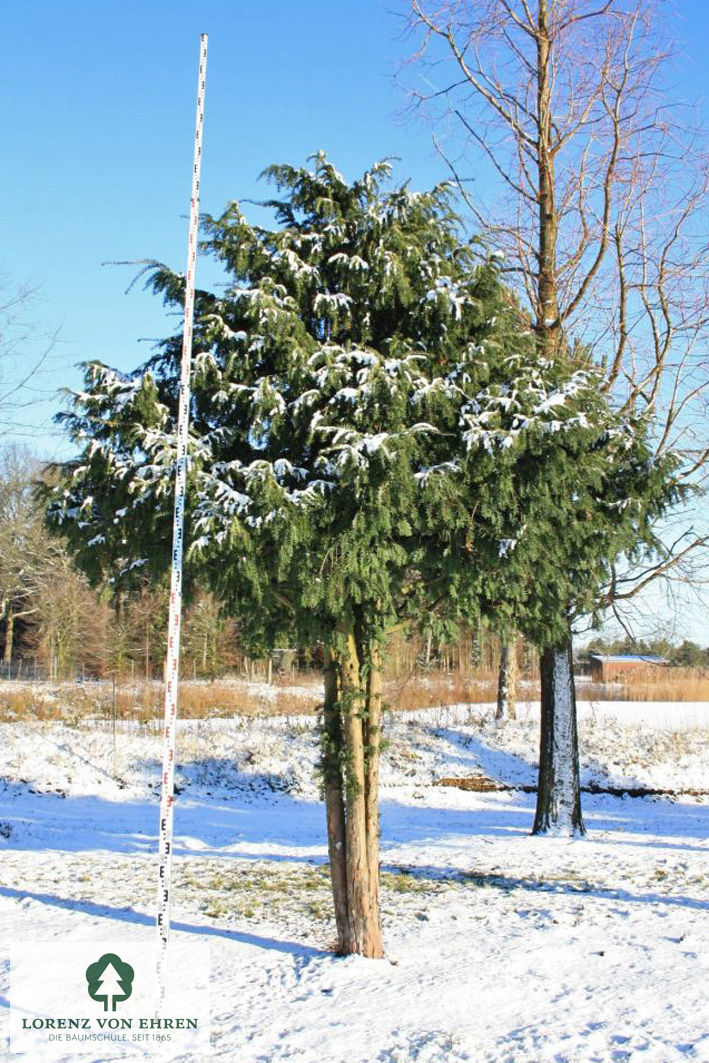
x=558, y=793
x=351, y=742
x=9, y=635
x=363, y=914
x=429, y=642
x=334, y=800
x=372, y=736
x=547, y=324
x=507, y=681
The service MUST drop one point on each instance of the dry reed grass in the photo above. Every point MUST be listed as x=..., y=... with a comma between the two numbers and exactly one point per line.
x=441, y=688
x=141, y=701
x=656, y=684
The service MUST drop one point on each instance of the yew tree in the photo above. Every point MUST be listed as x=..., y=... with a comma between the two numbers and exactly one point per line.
x=578, y=489
x=326, y=392
x=367, y=408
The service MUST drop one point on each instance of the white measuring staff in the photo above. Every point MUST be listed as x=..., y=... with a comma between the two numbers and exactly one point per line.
x=178, y=527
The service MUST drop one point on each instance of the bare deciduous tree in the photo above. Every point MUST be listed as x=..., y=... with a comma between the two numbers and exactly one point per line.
x=24, y=353
x=75, y=630
x=46, y=606
x=27, y=553
x=592, y=184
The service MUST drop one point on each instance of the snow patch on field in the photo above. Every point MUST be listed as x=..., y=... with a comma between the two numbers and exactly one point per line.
x=500, y=947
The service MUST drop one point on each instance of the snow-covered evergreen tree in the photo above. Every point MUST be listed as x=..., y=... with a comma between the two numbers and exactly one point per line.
x=578, y=487
x=373, y=444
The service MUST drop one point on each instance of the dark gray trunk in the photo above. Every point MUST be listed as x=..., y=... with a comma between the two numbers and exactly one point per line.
x=559, y=793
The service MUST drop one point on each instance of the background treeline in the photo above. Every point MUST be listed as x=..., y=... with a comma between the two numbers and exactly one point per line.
x=54, y=625
x=687, y=654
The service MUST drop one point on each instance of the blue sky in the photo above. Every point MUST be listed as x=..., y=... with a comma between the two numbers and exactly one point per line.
x=97, y=131
x=98, y=141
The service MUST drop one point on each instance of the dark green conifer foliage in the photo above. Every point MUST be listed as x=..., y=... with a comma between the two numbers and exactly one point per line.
x=373, y=443
x=575, y=492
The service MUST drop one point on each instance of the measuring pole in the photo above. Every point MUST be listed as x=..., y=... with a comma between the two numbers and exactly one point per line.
x=178, y=527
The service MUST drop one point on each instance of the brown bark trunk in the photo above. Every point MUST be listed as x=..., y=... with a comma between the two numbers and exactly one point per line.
x=364, y=929
x=547, y=325
x=334, y=800
x=373, y=731
x=559, y=792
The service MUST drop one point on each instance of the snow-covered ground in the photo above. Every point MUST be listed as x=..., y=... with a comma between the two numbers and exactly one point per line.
x=500, y=947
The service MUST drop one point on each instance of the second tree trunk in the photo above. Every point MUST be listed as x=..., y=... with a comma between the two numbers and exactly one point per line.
x=507, y=681
x=558, y=793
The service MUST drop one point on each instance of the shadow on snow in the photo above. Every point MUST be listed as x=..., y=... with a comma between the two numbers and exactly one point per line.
x=130, y=915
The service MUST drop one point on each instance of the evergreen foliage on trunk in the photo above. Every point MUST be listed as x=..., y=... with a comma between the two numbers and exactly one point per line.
x=333, y=385
x=575, y=495
x=374, y=445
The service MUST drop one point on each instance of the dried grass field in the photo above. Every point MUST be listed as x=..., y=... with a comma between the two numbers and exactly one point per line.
x=141, y=701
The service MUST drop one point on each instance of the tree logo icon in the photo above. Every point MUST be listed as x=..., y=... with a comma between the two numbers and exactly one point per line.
x=110, y=980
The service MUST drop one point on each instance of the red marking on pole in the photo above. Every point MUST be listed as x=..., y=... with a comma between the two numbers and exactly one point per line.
x=173, y=648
